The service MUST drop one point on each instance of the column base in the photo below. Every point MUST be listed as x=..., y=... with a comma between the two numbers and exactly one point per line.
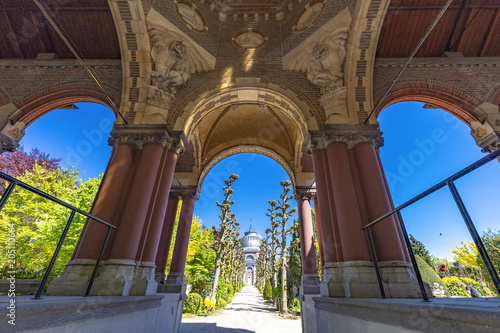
x=331, y=284
x=400, y=280
x=144, y=280
x=310, y=284
x=356, y=279
x=115, y=279
x=160, y=277
x=74, y=279
x=308, y=313
x=173, y=284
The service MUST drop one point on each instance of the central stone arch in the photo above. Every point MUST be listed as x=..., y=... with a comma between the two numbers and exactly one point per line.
x=244, y=119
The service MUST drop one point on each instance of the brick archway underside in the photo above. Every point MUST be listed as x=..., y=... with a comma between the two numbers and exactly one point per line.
x=461, y=105
x=41, y=103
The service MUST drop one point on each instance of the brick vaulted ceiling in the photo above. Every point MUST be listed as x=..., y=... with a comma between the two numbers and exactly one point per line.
x=24, y=32
x=471, y=27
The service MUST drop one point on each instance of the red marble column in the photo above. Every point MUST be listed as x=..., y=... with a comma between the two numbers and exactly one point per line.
x=182, y=238
x=318, y=230
x=306, y=237
x=129, y=234
x=385, y=234
x=166, y=236
x=354, y=244
x=159, y=206
x=326, y=226
x=107, y=202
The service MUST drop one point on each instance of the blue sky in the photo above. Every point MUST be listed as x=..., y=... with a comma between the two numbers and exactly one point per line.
x=422, y=147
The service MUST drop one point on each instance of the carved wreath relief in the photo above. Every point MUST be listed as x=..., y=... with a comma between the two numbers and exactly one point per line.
x=309, y=15
x=191, y=16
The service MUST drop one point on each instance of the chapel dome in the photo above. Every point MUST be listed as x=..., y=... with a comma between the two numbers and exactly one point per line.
x=251, y=241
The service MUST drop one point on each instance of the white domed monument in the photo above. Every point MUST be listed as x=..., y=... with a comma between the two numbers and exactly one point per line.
x=250, y=244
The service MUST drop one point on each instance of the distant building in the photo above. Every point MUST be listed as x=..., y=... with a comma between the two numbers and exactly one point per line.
x=250, y=244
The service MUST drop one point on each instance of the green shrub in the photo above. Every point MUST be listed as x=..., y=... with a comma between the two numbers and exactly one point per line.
x=453, y=284
x=295, y=306
x=220, y=303
x=277, y=292
x=268, y=291
x=193, y=304
x=230, y=290
x=429, y=274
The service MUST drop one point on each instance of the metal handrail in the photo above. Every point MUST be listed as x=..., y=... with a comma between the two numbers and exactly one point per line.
x=465, y=215
x=13, y=182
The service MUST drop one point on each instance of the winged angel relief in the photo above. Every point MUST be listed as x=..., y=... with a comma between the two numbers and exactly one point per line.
x=175, y=58
x=322, y=59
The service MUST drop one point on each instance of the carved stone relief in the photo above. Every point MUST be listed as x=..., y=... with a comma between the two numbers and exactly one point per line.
x=309, y=15
x=191, y=16
x=249, y=38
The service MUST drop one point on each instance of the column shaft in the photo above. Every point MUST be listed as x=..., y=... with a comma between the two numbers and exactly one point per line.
x=329, y=248
x=385, y=234
x=160, y=206
x=306, y=237
x=166, y=236
x=354, y=245
x=107, y=202
x=182, y=238
x=129, y=234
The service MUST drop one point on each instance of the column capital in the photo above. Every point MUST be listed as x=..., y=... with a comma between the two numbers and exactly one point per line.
x=142, y=134
x=185, y=192
x=304, y=193
x=10, y=135
x=351, y=135
x=493, y=146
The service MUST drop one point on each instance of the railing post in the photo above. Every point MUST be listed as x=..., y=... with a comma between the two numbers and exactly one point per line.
x=54, y=257
x=101, y=252
x=412, y=256
x=6, y=194
x=475, y=235
x=375, y=262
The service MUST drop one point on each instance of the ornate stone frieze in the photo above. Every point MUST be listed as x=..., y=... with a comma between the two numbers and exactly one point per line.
x=492, y=147
x=185, y=192
x=139, y=135
x=351, y=135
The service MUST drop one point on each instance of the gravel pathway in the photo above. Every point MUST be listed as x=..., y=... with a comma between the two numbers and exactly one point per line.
x=247, y=313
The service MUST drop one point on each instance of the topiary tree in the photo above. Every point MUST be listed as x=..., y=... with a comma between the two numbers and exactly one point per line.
x=420, y=250
x=268, y=290
x=429, y=274
x=193, y=304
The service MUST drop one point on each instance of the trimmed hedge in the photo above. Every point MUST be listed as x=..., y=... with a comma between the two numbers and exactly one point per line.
x=268, y=290
x=193, y=304
x=429, y=274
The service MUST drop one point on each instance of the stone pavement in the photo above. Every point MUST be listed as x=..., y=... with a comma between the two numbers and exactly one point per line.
x=247, y=313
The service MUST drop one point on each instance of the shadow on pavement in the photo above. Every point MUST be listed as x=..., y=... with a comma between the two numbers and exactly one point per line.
x=209, y=327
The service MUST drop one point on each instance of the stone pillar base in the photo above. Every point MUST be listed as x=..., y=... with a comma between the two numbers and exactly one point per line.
x=400, y=280
x=350, y=279
x=173, y=284
x=74, y=279
x=116, y=278
x=360, y=279
x=144, y=280
x=308, y=313
x=160, y=277
x=310, y=284
x=331, y=285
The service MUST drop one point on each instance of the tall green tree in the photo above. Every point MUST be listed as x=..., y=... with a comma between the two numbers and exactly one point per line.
x=284, y=212
x=228, y=227
x=295, y=259
x=419, y=249
x=274, y=240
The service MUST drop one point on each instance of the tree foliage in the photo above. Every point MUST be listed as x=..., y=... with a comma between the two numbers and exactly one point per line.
x=40, y=222
x=284, y=212
x=273, y=242
x=420, y=250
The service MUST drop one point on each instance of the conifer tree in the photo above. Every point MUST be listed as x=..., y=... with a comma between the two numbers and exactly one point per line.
x=419, y=249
